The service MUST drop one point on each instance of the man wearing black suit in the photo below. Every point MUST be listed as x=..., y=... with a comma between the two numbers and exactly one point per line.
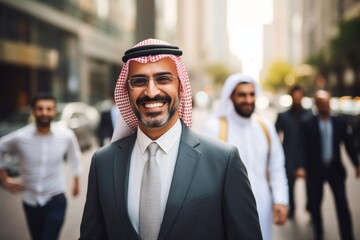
x=288, y=126
x=323, y=135
x=107, y=123
x=199, y=186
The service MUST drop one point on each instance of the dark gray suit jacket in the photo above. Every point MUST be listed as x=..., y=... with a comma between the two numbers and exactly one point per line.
x=210, y=195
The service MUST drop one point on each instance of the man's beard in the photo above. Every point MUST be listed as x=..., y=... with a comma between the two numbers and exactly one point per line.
x=43, y=123
x=154, y=122
x=246, y=114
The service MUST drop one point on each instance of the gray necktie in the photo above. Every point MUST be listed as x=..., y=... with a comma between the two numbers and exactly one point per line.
x=150, y=202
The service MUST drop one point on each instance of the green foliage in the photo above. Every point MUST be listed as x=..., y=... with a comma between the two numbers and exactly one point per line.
x=320, y=60
x=340, y=50
x=218, y=72
x=276, y=75
x=346, y=45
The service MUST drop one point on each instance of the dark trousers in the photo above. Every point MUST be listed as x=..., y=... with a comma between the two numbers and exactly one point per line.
x=315, y=196
x=45, y=222
x=291, y=183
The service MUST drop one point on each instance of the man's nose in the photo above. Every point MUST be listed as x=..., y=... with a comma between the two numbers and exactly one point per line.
x=152, y=90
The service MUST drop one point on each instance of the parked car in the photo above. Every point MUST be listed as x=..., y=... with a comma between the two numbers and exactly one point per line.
x=82, y=119
x=78, y=116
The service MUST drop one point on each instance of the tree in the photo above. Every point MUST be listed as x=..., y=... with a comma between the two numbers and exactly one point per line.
x=340, y=53
x=218, y=72
x=345, y=48
x=275, y=77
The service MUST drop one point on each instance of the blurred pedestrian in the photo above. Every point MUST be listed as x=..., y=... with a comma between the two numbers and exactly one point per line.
x=41, y=148
x=323, y=135
x=107, y=123
x=259, y=146
x=288, y=125
x=197, y=188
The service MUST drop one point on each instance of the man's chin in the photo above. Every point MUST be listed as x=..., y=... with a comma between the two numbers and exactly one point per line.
x=245, y=114
x=154, y=123
x=154, y=120
x=43, y=124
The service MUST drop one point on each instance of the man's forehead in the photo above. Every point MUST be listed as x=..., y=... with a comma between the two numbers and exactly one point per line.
x=45, y=102
x=245, y=86
x=164, y=64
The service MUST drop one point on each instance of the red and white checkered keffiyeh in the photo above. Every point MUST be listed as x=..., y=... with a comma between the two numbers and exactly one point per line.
x=122, y=97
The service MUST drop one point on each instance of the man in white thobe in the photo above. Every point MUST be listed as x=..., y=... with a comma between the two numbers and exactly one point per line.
x=259, y=147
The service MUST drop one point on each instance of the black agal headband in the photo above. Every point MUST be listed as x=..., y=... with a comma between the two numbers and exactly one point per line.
x=147, y=50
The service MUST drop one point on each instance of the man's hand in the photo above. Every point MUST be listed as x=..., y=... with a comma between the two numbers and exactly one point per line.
x=13, y=186
x=300, y=173
x=10, y=184
x=76, y=188
x=357, y=172
x=280, y=214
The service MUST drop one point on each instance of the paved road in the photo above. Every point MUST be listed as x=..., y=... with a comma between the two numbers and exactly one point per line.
x=13, y=227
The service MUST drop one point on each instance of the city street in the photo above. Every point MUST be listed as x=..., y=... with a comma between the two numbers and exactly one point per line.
x=13, y=226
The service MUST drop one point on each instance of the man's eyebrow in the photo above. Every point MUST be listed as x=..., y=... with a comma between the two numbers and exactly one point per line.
x=163, y=73
x=138, y=75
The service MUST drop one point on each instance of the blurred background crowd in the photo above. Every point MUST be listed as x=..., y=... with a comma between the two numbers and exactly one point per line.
x=73, y=49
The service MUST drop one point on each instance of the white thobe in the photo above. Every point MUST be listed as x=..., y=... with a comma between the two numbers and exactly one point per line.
x=249, y=137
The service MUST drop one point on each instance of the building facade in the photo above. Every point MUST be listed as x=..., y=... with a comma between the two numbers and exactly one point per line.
x=301, y=29
x=69, y=47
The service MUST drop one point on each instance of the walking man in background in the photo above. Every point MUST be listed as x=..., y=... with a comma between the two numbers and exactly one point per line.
x=107, y=123
x=41, y=148
x=323, y=134
x=259, y=146
x=164, y=181
x=288, y=125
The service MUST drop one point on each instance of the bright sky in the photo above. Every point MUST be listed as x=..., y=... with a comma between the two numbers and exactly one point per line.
x=245, y=26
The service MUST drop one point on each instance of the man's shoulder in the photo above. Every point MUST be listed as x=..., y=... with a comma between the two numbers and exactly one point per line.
x=106, y=113
x=123, y=142
x=309, y=122
x=61, y=130
x=25, y=131
x=214, y=144
x=262, y=119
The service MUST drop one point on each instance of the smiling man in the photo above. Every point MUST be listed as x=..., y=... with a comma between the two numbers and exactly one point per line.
x=163, y=181
x=260, y=149
x=41, y=148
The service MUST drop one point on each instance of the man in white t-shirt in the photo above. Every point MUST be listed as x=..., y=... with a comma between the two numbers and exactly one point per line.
x=41, y=148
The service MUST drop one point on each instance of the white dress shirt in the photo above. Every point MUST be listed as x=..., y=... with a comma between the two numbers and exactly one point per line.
x=41, y=159
x=165, y=157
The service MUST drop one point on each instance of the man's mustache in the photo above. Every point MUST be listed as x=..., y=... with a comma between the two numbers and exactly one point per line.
x=157, y=98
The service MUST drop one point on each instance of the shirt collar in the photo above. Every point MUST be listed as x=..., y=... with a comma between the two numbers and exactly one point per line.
x=166, y=141
x=35, y=131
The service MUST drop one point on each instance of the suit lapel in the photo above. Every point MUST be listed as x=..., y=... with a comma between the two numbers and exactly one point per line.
x=185, y=168
x=122, y=156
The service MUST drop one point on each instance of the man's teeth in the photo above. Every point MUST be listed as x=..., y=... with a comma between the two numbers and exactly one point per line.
x=153, y=105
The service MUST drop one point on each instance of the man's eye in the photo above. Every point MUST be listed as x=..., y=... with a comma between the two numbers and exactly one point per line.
x=139, y=81
x=163, y=79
